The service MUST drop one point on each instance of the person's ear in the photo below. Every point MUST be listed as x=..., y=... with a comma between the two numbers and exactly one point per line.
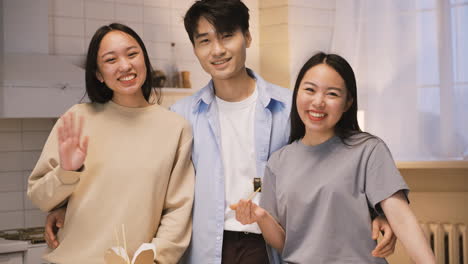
x=99, y=76
x=248, y=38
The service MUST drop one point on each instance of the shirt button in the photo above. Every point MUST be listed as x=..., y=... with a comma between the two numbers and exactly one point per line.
x=218, y=238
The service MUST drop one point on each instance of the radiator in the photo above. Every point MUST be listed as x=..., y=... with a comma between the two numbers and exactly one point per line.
x=448, y=241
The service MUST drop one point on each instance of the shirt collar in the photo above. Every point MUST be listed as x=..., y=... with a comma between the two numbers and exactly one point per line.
x=206, y=95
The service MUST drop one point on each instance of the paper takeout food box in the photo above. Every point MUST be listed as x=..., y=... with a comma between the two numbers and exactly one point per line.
x=144, y=255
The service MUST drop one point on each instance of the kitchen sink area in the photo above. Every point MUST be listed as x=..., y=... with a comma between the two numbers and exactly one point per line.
x=22, y=246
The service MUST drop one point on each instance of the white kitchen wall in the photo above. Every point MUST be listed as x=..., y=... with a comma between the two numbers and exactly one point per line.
x=159, y=22
x=21, y=141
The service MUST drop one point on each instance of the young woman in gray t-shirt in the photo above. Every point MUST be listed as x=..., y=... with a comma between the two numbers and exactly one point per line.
x=321, y=191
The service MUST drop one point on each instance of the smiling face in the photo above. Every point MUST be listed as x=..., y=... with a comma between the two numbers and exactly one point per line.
x=222, y=55
x=321, y=100
x=121, y=66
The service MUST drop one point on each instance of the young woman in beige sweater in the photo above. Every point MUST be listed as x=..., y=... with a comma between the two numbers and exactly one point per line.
x=120, y=160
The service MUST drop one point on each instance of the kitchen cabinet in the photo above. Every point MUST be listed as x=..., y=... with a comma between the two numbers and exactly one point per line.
x=38, y=102
x=35, y=85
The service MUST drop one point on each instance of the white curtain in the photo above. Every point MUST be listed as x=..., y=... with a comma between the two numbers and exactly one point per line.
x=411, y=62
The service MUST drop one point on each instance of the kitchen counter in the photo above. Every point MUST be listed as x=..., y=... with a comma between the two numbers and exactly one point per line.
x=10, y=246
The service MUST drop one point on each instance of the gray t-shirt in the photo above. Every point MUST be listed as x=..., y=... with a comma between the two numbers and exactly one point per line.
x=322, y=196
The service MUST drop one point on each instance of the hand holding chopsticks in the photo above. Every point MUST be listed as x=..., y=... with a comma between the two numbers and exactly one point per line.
x=234, y=206
x=248, y=212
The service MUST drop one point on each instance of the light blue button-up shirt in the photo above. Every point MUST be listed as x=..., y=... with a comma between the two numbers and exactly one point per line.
x=271, y=133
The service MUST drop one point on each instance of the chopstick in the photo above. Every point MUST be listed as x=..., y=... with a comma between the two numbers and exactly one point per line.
x=117, y=240
x=125, y=242
x=234, y=206
x=253, y=194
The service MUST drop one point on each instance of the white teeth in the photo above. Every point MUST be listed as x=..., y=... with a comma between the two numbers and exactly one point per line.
x=319, y=115
x=219, y=62
x=128, y=77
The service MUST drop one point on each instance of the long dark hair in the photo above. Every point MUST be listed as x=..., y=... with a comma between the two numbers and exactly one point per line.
x=348, y=124
x=97, y=91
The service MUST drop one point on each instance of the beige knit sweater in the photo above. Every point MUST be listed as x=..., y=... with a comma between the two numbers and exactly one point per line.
x=138, y=172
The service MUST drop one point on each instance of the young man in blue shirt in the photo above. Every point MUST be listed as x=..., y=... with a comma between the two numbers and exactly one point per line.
x=238, y=121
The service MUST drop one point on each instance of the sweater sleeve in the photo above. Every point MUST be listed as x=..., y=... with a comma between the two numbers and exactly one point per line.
x=49, y=185
x=175, y=230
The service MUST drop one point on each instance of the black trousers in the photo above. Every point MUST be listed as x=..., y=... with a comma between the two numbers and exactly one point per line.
x=244, y=248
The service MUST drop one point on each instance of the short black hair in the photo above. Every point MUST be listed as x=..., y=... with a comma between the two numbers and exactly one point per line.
x=97, y=91
x=225, y=15
x=348, y=124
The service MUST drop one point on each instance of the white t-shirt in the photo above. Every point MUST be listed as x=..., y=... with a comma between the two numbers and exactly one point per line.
x=236, y=121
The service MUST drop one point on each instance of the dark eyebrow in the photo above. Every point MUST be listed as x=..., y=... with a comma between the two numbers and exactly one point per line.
x=112, y=52
x=329, y=88
x=335, y=88
x=200, y=35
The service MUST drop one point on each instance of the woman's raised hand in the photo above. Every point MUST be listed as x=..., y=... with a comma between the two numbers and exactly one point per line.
x=72, y=148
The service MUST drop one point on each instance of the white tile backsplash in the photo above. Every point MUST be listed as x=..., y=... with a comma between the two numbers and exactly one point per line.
x=10, y=125
x=28, y=205
x=10, y=141
x=99, y=10
x=179, y=35
x=68, y=8
x=160, y=33
x=129, y=13
x=30, y=159
x=69, y=45
x=34, y=140
x=11, y=161
x=64, y=26
x=37, y=124
x=185, y=52
x=177, y=18
x=11, y=220
x=34, y=218
x=91, y=25
x=11, y=181
x=136, y=26
x=157, y=15
x=159, y=50
x=11, y=201
x=184, y=4
x=133, y=2
x=157, y=3
x=16, y=211
x=25, y=179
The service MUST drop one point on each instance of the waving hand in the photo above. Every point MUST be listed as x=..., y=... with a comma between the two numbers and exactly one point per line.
x=72, y=148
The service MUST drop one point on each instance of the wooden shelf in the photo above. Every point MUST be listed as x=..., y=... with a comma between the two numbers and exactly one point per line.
x=450, y=164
